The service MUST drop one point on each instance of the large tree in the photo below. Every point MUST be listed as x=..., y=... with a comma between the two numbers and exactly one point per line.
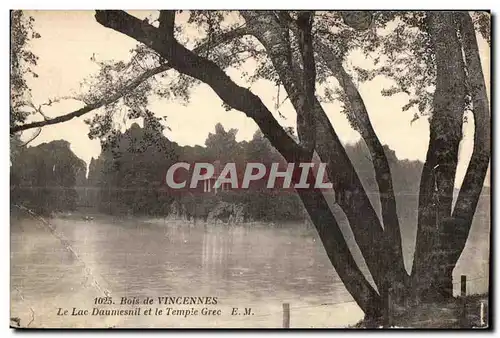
x=301, y=52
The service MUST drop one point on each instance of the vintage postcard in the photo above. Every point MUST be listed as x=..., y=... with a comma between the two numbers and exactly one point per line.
x=250, y=169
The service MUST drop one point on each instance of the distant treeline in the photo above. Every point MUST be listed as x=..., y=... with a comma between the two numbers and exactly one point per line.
x=128, y=178
x=43, y=178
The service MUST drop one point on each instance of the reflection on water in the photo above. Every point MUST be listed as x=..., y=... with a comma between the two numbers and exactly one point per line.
x=258, y=266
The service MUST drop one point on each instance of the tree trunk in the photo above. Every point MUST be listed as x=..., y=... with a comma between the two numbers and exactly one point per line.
x=432, y=274
x=472, y=185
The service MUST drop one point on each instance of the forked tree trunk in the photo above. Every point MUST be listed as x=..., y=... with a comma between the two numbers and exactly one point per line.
x=381, y=249
x=432, y=271
x=475, y=175
x=457, y=227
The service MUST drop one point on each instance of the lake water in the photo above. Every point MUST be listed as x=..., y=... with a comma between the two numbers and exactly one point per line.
x=258, y=267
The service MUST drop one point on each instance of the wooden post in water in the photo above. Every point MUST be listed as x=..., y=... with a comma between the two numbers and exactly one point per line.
x=286, y=315
x=481, y=316
x=463, y=294
x=463, y=285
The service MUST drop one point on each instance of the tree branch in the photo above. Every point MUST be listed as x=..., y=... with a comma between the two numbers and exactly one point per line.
x=306, y=121
x=167, y=23
x=105, y=101
x=237, y=32
x=380, y=163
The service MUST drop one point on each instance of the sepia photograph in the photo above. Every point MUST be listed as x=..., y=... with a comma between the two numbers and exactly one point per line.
x=250, y=169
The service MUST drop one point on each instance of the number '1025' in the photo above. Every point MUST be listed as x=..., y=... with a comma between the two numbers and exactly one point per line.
x=103, y=300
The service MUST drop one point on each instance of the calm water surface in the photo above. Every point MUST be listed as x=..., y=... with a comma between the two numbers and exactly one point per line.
x=256, y=266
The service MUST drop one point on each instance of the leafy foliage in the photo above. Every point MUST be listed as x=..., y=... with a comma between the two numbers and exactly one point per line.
x=482, y=23
x=395, y=44
x=22, y=62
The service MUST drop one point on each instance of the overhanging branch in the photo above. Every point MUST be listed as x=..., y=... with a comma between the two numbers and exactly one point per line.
x=227, y=36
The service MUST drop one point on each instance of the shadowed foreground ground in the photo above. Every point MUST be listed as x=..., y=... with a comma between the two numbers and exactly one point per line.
x=442, y=315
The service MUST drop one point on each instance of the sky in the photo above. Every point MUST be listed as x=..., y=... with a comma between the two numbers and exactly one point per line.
x=70, y=38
